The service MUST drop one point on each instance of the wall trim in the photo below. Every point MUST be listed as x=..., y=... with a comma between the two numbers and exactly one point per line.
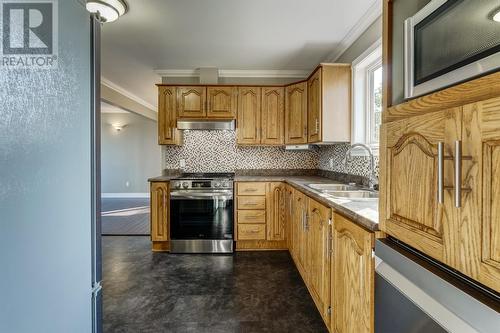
x=124, y=195
x=127, y=93
x=241, y=73
x=370, y=16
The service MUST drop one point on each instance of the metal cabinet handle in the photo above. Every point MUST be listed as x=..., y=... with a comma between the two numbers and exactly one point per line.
x=458, y=173
x=441, y=172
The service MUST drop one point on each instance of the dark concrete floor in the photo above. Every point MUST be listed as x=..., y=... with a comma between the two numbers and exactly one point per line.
x=161, y=292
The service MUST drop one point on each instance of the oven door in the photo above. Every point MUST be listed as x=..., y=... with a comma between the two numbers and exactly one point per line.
x=198, y=214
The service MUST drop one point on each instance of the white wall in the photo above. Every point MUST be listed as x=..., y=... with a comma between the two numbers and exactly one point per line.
x=131, y=155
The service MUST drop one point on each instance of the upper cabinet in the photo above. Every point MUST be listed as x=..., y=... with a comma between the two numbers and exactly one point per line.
x=329, y=104
x=317, y=110
x=260, y=115
x=314, y=107
x=447, y=164
x=296, y=114
x=191, y=102
x=479, y=224
x=272, y=115
x=248, y=122
x=167, y=103
x=222, y=102
x=411, y=166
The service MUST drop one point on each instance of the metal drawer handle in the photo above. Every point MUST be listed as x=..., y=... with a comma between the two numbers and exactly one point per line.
x=458, y=174
x=441, y=172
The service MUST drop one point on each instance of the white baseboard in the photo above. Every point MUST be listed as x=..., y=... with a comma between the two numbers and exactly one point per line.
x=124, y=195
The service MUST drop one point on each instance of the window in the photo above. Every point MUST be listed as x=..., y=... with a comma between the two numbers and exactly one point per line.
x=367, y=97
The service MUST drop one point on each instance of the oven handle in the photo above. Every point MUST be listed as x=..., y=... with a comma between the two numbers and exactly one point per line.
x=200, y=196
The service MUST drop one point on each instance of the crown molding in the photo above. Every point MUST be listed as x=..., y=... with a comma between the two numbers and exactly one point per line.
x=370, y=16
x=127, y=94
x=243, y=73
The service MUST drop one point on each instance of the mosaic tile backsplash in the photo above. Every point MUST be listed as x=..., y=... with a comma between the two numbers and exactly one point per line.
x=216, y=151
x=359, y=165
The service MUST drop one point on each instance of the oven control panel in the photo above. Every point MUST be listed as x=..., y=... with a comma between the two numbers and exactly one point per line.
x=185, y=184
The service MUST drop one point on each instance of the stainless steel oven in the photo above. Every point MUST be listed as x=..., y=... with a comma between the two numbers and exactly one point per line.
x=450, y=41
x=201, y=214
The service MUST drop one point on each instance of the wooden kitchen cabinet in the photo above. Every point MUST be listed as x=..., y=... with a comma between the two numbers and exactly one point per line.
x=296, y=114
x=353, y=278
x=276, y=210
x=300, y=234
x=160, y=197
x=261, y=116
x=409, y=207
x=289, y=217
x=314, y=107
x=319, y=234
x=248, y=122
x=167, y=117
x=272, y=116
x=329, y=104
x=222, y=102
x=261, y=216
x=478, y=225
x=191, y=102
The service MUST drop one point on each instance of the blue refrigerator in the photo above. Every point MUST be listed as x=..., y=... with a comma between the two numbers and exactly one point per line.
x=50, y=252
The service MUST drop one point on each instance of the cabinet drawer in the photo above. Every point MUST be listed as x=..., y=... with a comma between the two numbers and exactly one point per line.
x=251, y=216
x=251, y=202
x=251, y=231
x=251, y=189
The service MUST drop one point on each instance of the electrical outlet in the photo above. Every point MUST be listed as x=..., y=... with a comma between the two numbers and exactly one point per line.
x=331, y=163
x=182, y=163
x=127, y=184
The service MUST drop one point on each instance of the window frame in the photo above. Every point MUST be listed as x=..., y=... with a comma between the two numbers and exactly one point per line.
x=362, y=107
x=369, y=109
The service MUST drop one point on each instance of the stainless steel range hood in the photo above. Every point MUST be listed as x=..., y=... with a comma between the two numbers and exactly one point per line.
x=208, y=125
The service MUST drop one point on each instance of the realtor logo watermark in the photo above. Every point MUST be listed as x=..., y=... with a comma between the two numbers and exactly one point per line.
x=29, y=34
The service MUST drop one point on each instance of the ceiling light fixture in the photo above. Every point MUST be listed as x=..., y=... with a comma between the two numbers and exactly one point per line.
x=108, y=10
x=118, y=127
x=496, y=16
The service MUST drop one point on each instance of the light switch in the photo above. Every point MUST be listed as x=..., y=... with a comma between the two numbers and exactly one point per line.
x=182, y=163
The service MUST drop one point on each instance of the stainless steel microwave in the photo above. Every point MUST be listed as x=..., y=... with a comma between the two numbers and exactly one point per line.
x=450, y=41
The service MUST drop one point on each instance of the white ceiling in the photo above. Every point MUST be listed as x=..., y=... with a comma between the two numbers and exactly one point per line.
x=227, y=34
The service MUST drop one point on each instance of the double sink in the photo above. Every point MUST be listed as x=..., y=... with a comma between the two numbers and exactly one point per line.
x=342, y=191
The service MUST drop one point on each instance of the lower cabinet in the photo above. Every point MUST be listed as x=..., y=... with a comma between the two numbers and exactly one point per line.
x=160, y=215
x=318, y=227
x=353, y=278
x=300, y=234
x=261, y=216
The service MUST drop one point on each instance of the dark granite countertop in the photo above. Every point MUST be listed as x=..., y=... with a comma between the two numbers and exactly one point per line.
x=364, y=213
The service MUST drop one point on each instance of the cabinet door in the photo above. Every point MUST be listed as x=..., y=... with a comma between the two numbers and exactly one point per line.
x=272, y=115
x=296, y=114
x=314, y=98
x=319, y=253
x=479, y=224
x=167, y=117
x=248, y=130
x=191, y=102
x=289, y=218
x=353, y=278
x=299, y=232
x=409, y=209
x=275, y=211
x=159, y=212
x=222, y=102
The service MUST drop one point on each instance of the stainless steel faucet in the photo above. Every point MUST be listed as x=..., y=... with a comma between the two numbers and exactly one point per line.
x=372, y=179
